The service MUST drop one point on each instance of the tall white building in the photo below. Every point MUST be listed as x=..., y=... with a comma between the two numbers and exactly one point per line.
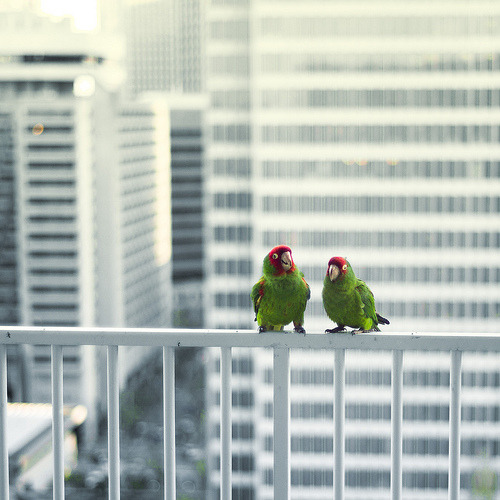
x=165, y=45
x=87, y=214
x=366, y=130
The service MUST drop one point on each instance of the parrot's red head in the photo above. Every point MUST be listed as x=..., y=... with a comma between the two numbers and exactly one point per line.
x=280, y=258
x=337, y=267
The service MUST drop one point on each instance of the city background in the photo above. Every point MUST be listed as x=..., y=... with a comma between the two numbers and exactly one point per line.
x=153, y=151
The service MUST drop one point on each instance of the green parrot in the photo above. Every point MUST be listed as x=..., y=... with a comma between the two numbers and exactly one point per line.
x=347, y=300
x=281, y=294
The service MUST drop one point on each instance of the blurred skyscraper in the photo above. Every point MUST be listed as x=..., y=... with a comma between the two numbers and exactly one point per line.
x=164, y=42
x=368, y=130
x=164, y=45
x=87, y=225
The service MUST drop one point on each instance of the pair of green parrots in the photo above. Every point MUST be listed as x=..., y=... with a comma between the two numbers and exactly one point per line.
x=281, y=294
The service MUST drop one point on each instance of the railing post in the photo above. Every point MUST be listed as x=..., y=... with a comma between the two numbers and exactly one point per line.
x=57, y=421
x=455, y=408
x=4, y=456
x=226, y=460
x=113, y=424
x=281, y=423
x=397, y=425
x=169, y=476
x=339, y=420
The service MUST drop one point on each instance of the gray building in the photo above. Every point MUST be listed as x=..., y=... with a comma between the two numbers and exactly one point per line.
x=187, y=144
x=87, y=228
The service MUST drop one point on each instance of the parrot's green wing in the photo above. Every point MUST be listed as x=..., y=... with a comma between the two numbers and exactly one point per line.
x=368, y=301
x=307, y=285
x=257, y=293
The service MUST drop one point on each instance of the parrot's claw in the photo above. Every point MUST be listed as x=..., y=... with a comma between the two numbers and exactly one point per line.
x=337, y=329
x=299, y=329
x=262, y=329
x=362, y=330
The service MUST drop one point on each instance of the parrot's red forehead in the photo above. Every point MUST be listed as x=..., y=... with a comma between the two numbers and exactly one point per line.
x=279, y=250
x=340, y=262
x=337, y=261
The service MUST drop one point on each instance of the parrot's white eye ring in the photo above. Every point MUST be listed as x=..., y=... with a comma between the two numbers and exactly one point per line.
x=275, y=256
x=344, y=267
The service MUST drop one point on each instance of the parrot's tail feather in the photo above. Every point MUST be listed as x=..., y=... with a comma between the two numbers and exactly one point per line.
x=382, y=320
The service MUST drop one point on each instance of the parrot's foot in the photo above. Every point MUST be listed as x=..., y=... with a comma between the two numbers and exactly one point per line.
x=262, y=329
x=362, y=330
x=337, y=329
x=299, y=329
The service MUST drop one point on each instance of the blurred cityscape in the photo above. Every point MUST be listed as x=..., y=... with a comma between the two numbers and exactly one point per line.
x=153, y=151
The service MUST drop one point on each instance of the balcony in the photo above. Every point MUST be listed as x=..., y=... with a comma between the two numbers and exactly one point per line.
x=281, y=344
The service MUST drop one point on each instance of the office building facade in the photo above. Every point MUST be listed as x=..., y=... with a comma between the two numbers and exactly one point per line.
x=371, y=132
x=89, y=229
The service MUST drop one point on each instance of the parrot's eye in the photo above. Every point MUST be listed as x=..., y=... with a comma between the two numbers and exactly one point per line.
x=275, y=256
x=344, y=267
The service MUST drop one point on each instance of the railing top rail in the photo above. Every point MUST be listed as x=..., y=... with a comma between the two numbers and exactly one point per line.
x=180, y=337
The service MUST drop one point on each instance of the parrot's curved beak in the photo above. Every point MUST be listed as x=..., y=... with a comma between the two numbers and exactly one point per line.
x=333, y=272
x=286, y=261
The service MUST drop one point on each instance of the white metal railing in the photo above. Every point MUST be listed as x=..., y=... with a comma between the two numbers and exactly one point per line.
x=281, y=343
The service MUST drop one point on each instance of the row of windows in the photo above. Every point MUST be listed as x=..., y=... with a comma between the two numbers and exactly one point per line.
x=243, y=431
x=369, y=479
x=377, y=377
x=364, y=133
x=52, y=236
x=233, y=233
x=314, y=98
x=407, y=26
x=243, y=365
x=240, y=463
x=232, y=167
x=414, y=274
x=378, y=62
x=426, y=309
x=391, y=168
x=53, y=165
x=374, y=204
x=46, y=201
x=230, y=99
x=243, y=398
x=233, y=300
x=420, y=378
x=457, y=309
x=386, y=239
x=382, y=411
x=238, y=132
x=233, y=267
x=382, y=446
x=238, y=201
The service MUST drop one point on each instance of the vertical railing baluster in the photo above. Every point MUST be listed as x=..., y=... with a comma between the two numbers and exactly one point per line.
x=4, y=456
x=281, y=367
x=57, y=421
x=455, y=409
x=113, y=424
x=226, y=460
x=169, y=475
x=339, y=421
x=397, y=425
